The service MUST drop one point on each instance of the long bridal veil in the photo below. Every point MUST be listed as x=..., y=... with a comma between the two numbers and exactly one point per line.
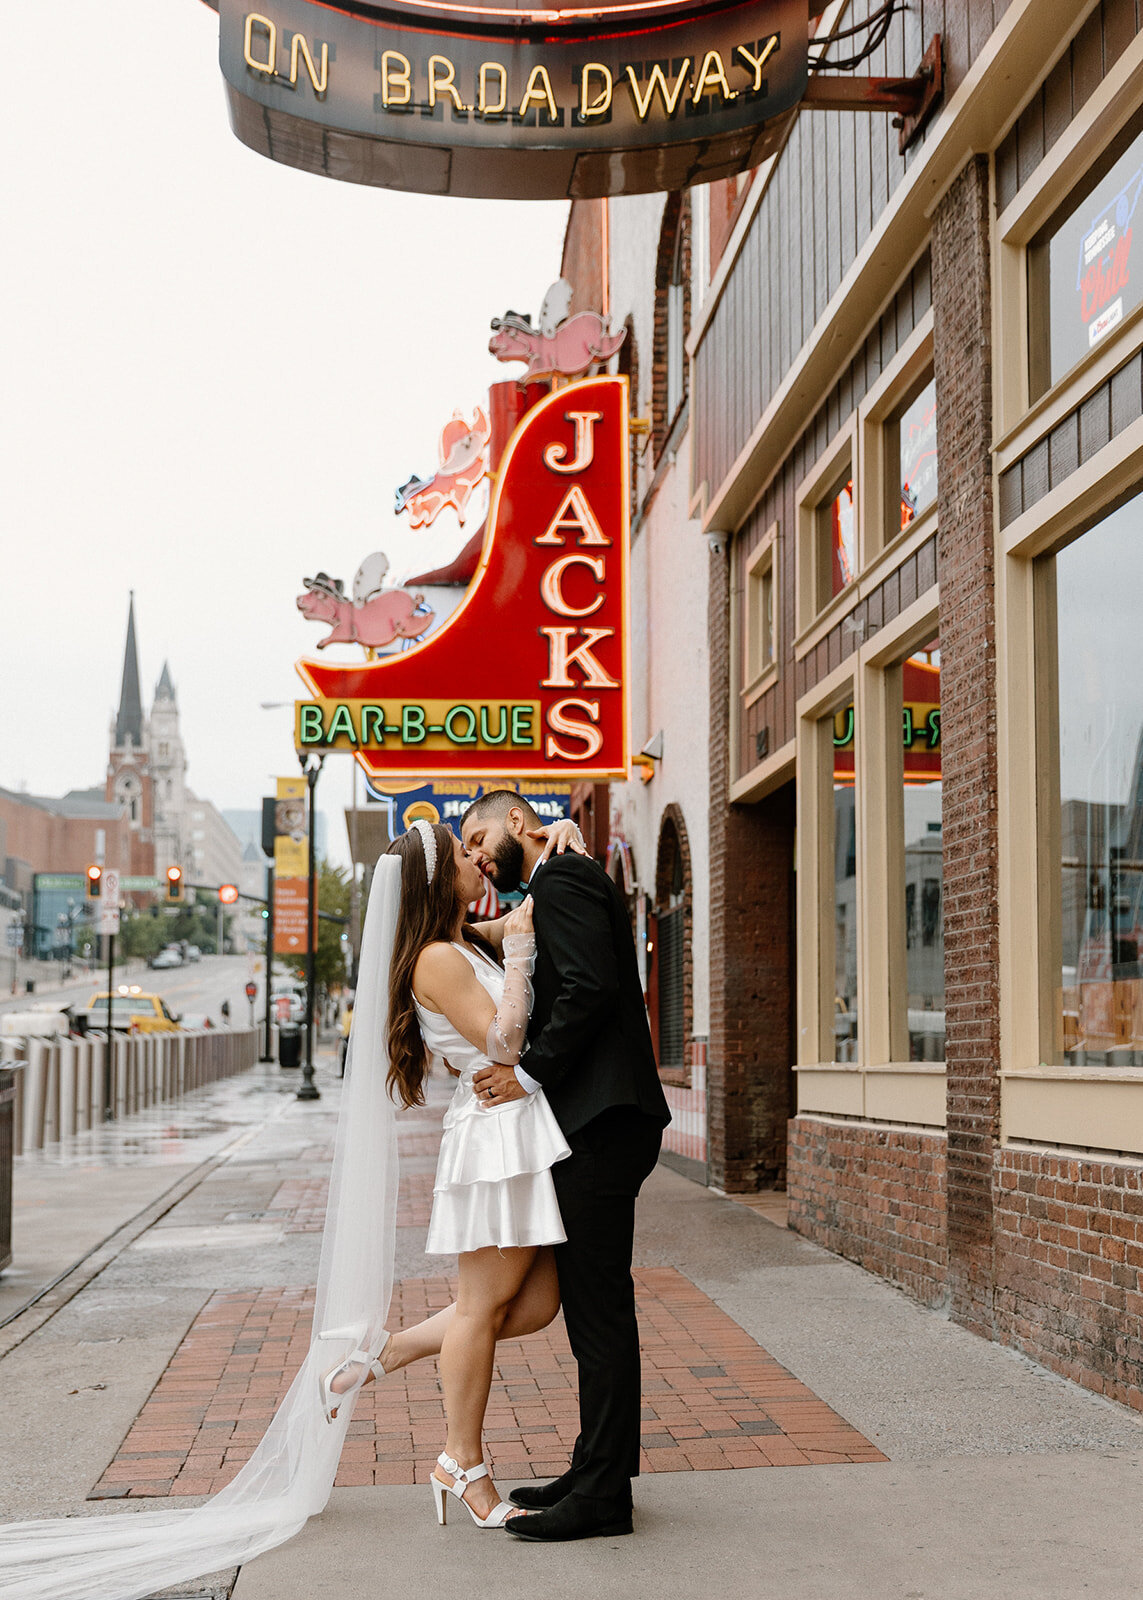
x=289, y=1477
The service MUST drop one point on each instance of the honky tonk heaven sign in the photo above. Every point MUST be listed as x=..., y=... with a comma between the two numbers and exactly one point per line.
x=511, y=100
x=529, y=674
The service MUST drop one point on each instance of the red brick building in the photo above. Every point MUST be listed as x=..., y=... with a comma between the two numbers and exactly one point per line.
x=910, y=419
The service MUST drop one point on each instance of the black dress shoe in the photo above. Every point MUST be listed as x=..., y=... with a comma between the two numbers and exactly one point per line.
x=573, y=1517
x=539, y=1496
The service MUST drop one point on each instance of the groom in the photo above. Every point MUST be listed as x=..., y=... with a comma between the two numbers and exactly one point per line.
x=590, y=1050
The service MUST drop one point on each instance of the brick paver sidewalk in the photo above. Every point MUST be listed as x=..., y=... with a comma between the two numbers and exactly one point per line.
x=712, y=1397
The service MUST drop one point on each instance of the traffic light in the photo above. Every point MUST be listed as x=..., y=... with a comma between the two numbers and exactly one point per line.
x=94, y=877
x=174, y=883
x=228, y=894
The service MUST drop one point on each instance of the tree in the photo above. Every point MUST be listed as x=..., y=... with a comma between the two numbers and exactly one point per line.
x=333, y=897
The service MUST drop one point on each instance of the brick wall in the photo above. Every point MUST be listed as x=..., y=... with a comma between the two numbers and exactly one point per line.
x=1069, y=1267
x=749, y=1081
x=875, y=1195
x=676, y=225
x=962, y=312
x=51, y=843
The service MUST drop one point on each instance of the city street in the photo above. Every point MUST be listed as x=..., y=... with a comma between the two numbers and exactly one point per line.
x=809, y=1433
x=197, y=988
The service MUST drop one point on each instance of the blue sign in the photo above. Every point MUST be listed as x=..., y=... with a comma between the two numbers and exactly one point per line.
x=447, y=802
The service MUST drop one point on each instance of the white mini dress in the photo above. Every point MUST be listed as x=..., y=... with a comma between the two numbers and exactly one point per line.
x=494, y=1182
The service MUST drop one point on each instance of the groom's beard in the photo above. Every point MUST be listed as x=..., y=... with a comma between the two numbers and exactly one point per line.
x=508, y=859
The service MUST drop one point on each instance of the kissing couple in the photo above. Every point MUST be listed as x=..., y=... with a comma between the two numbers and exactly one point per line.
x=556, y=1121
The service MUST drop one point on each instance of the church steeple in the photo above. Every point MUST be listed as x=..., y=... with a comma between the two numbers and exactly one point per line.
x=165, y=689
x=129, y=720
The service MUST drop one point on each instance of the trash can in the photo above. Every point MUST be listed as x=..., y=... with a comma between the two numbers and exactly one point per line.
x=7, y=1157
x=289, y=1045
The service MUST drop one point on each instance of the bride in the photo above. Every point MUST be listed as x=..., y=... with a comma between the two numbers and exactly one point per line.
x=427, y=985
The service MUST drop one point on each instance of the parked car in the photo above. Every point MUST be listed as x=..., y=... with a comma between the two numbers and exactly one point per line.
x=132, y=1011
x=166, y=958
x=193, y=953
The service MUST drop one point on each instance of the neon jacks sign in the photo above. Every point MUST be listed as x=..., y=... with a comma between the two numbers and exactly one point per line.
x=528, y=676
x=517, y=102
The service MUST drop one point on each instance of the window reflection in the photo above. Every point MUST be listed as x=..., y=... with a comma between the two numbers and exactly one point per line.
x=1100, y=698
x=843, y=539
x=1083, y=281
x=917, y=454
x=837, y=541
x=924, y=855
x=845, y=1006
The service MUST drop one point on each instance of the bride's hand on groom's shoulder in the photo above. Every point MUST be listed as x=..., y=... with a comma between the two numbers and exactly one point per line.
x=559, y=836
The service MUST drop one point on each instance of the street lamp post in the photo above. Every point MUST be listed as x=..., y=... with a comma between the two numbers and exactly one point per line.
x=268, y=1050
x=311, y=765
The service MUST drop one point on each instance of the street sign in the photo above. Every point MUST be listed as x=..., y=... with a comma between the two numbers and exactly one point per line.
x=551, y=700
x=58, y=880
x=508, y=100
x=15, y=934
x=108, y=920
x=138, y=885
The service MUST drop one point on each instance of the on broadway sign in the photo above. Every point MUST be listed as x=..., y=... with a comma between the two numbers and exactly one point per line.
x=514, y=101
x=529, y=674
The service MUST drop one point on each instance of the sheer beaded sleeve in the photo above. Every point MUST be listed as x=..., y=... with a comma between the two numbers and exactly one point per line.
x=509, y=1027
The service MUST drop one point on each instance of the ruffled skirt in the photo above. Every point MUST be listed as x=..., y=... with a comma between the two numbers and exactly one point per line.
x=494, y=1182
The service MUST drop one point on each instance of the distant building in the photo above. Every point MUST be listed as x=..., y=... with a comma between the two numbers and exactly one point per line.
x=146, y=774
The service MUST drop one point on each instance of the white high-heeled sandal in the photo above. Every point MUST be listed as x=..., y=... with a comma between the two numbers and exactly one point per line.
x=332, y=1399
x=461, y=1478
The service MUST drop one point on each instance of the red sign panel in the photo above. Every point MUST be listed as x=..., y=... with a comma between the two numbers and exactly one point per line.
x=528, y=675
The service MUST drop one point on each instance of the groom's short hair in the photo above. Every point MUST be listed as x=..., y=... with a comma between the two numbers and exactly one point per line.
x=496, y=804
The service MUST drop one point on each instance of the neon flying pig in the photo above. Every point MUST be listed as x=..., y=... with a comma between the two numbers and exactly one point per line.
x=562, y=345
x=463, y=463
x=388, y=614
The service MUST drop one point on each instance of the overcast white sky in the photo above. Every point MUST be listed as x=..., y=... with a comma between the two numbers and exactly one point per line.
x=216, y=371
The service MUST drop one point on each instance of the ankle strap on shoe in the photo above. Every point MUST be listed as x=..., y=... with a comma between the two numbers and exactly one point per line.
x=462, y=1475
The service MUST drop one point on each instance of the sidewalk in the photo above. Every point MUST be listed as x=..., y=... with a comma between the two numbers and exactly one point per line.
x=808, y=1432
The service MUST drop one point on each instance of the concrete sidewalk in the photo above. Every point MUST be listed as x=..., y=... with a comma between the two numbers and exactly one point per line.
x=948, y=1467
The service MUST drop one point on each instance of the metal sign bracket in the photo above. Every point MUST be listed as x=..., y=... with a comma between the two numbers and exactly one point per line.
x=911, y=100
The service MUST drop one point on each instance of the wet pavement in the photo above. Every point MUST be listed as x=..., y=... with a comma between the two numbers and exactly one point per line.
x=808, y=1432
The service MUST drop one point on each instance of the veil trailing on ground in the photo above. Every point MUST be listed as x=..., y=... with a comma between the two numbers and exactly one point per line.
x=289, y=1477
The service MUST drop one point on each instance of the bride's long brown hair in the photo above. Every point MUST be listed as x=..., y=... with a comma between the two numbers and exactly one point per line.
x=427, y=913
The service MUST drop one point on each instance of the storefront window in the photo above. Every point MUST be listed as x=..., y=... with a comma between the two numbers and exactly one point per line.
x=844, y=926
x=1081, y=280
x=1100, y=837
x=837, y=541
x=912, y=445
x=924, y=855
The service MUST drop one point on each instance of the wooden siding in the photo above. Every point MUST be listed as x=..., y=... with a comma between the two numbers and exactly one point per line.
x=775, y=710
x=1074, y=440
x=1084, y=64
x=835, y=176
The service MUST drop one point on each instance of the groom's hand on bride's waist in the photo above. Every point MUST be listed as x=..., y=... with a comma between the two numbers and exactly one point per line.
x=495, y=1086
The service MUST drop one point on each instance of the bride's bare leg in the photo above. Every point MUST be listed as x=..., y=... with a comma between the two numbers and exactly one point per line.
x=489, y=1282
x=532, y=1308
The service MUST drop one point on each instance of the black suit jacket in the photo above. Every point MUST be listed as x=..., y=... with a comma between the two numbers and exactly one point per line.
x=589, y=1042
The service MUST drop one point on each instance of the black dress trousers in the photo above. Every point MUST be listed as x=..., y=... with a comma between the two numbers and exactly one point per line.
x=596, y=1187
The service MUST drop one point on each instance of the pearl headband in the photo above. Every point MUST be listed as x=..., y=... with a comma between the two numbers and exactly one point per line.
x=429, y=844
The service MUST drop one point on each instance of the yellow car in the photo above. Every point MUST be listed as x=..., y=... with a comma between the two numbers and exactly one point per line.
x=132, y=1011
